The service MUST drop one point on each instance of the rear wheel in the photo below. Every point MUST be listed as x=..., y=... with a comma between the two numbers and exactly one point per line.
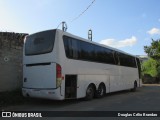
x=101, y=91
x=90, y=92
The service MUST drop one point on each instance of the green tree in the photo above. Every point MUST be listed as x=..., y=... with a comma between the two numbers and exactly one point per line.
x=150, y=67
x=153, y=51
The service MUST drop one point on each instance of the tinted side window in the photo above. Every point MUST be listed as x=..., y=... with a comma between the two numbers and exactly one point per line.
x=132, y=62
x=76, y=49
x=109, y=58
x=99, y=54
x=116, y=58
x=86, y=51
x=126, y=60
x=83, y=50
x=123, y=59
x=68, y=47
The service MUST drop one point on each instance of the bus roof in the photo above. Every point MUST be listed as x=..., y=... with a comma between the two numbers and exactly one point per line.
x=86, y=40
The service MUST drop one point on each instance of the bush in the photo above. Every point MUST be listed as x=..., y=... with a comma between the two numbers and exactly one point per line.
x=148, y=79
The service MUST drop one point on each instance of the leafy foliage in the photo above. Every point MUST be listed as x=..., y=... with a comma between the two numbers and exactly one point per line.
x=153, y=51
x=150, y=67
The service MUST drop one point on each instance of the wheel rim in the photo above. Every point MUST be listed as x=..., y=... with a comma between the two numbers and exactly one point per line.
x=101, y=90
x=90, y=92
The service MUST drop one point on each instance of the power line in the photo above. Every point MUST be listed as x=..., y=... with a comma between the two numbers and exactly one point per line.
x=78, y=15
x=83, y=11
x=59, y=25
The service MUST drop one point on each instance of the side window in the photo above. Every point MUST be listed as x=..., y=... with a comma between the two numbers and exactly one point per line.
x=99, y=54
x=109, y=56
x=83, y=49
x=67, y=46
x=123, y=59
x=126, y=60
x=116, y=58
x=70, y=46
x=74, y=48
x=133, y=62
x=130, y=61
x=79, y=53
x=104, y=57
x=94, y=53
x=120, y=58
x=77, y=49
x=91, y=52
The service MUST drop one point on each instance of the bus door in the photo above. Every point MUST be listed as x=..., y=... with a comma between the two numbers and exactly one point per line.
x=70, y=86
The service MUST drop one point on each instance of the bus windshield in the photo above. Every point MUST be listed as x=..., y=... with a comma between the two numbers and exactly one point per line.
x=40, y=43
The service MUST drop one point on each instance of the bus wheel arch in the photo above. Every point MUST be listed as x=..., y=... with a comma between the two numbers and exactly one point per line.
x=101, y=91
x=134, y=86
x=90, y=91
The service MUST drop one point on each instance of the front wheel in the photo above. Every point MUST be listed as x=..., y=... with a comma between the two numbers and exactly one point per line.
x=89, y=93
x=135, y=87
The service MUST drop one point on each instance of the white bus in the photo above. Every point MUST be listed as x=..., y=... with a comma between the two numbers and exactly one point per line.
x=58, y=65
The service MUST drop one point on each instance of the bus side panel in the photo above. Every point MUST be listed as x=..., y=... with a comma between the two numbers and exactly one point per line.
x=85, y=80
x=114, y=83
x=124, y=79
x=81, y=85
x=128, y=77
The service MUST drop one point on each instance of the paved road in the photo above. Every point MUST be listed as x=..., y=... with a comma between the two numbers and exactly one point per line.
x=146, y=98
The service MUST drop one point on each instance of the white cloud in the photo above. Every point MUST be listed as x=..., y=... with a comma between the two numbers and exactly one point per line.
x=121, y=43
x=154, y=31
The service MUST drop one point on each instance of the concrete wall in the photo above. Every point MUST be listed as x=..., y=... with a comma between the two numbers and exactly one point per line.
x=11, y=45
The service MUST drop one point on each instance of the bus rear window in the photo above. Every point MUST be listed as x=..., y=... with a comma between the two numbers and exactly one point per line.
x=40, y=43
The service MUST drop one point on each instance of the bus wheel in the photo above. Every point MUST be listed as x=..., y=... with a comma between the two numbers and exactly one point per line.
x=101, y=91
x=89, y=92
x=135, y=87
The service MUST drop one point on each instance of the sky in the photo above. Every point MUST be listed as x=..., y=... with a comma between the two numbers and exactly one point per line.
x=128, y=25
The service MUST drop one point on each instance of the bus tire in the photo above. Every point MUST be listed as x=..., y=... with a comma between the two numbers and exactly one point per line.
x=135, y=87
x=101, y=91
x=90, y=92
